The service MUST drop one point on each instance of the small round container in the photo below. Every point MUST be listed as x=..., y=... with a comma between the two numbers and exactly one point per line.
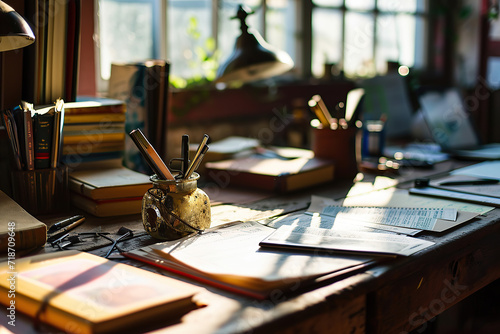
x=175, y=208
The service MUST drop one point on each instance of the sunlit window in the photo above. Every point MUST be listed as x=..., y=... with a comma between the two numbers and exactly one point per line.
x=362, y=36
x=358, y=37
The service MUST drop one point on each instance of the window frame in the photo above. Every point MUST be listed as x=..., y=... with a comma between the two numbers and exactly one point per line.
x=302, y=41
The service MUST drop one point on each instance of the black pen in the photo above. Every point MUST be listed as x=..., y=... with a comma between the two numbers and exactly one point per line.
x=185, y=154
x=198, y=155
x=469, y=182
x=64, y=226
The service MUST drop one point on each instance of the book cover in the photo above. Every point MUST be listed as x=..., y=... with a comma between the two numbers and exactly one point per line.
x=271, y=174
x=108, y=207
x=27, y=231
x=43, y=125
x=78, y=292
x=109, y=183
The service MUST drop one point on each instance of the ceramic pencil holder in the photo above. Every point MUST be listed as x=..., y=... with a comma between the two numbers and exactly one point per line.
x=172, y=209
x=340, y=145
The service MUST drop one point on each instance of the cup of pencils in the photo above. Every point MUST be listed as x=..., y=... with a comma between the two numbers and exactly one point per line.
x=174, y=207
x=335, y=138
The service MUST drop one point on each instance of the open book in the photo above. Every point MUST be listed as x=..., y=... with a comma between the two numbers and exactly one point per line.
x=83, y=293
x=229, y=257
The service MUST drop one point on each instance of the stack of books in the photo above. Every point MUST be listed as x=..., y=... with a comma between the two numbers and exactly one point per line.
x=109, y=191
x=94, y=132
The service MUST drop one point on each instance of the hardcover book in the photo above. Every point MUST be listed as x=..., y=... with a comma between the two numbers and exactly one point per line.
x=28, y=232
x=110, y=183
x=79, y=292
x=271, y=174
x=43, y=125
x=108, y=207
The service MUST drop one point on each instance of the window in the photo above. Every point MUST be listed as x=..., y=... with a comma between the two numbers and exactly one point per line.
x=358, y=35
x=361, y=36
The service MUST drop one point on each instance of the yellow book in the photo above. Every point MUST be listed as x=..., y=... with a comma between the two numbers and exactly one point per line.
x=94, y=138
x=94, y=118
x=18, y=229
x=79, y=292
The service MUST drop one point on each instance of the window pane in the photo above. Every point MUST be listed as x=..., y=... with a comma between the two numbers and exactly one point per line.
x=398, y=37
x=360, y=4
x=189, y=27
x=358, y=49
x=327, y=39
x=329, y=3
x=408, y=6
x=280, y=27
x=388, y=42
x=126, y=32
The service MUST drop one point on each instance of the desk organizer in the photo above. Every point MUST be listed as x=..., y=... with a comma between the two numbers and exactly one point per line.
x=340, y=145
x=175, y=208
x=42, y=191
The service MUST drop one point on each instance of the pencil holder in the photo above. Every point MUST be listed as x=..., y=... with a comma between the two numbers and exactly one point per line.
x=42, y=191
x=340, y=145
x=175, y=208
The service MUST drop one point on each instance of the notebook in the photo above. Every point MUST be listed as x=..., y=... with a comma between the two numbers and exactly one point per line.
x=449, y=123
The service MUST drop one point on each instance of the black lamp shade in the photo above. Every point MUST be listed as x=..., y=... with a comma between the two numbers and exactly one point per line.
x=253, y=58
x=15, y=33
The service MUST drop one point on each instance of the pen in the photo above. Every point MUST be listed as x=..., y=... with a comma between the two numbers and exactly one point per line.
x=149, y=153
x=200, y=158
x=62, y=227
x=469, y=182
x=195, y=163
x=185, y=154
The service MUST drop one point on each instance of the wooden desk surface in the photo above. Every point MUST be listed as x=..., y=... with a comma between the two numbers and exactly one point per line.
x=392, y=297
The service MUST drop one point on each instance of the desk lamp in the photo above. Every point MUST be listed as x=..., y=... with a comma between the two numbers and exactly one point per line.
x=253, y=58
x=15, y=33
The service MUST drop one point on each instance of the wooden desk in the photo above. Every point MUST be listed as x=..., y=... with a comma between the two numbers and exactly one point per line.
x=392, y=297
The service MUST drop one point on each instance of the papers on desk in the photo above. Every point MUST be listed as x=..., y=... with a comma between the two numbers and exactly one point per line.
x=393, y=197
x=344, y=241
x=417, y=218
x=229, y=257
x=488, y=194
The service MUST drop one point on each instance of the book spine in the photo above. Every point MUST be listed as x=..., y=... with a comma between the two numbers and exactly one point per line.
x=43, y=125
x=94, y=118
x=29, y=141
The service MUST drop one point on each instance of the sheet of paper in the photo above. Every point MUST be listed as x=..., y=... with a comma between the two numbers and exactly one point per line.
x=397, y=198
x=459, y=196
x=317, y=238
x=417, y=218
x=338, y=223
x=487, y=169
x=491, y=190
x=234, y=250
x=394, y=197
